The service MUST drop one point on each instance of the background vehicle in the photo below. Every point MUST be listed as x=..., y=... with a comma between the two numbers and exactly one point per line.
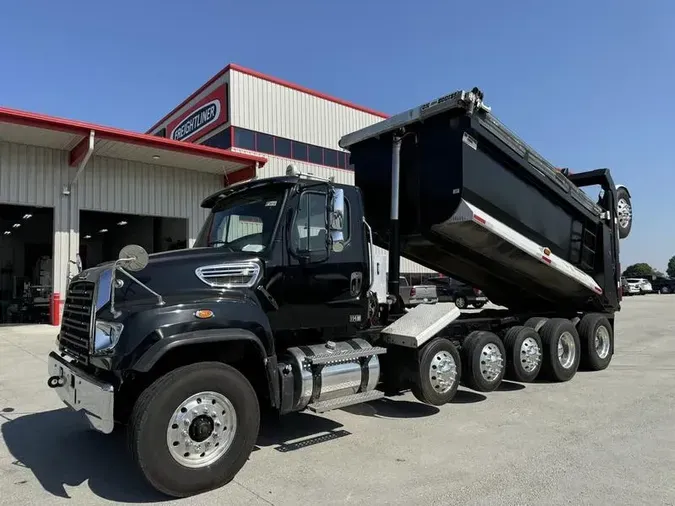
x=274, y=305
x=416, y=294
x=639, y=285
x=663, y=285
x=463, y=295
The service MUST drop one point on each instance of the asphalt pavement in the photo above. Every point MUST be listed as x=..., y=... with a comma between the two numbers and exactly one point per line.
x=603, y=438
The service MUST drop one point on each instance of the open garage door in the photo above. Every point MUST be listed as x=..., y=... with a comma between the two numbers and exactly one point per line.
x=103, y=235
x=26, y=270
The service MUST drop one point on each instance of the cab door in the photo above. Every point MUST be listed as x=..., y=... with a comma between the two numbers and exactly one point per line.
x=326, y=287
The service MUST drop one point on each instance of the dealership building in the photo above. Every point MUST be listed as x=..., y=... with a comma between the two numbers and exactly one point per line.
x=76, y=192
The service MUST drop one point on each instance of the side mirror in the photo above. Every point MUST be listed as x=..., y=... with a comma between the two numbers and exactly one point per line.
x=336, y=219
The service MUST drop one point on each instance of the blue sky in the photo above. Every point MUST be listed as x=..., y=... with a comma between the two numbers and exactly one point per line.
x=588, y=84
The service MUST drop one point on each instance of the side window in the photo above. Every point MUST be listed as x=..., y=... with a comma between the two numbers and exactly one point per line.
x=309, y=229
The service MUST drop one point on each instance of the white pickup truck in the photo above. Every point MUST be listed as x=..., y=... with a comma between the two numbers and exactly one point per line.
x=417, y=294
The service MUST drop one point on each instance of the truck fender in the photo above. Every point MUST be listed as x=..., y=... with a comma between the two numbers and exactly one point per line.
x=152, y=355
x=625, y=188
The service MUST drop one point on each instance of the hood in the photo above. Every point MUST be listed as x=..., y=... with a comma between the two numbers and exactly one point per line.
x=172, y=274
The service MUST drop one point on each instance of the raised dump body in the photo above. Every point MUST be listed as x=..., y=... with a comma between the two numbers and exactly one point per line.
x=477, y=204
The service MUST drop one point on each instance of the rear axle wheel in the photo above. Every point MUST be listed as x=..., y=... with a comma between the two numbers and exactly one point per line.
x=438, y=371
x=561, y=349
x=483, y=357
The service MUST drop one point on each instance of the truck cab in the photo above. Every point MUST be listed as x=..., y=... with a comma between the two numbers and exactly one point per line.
x=308, y=276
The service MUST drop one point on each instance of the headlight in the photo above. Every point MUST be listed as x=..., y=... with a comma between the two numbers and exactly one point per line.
x=231, y=275
x=107, y=335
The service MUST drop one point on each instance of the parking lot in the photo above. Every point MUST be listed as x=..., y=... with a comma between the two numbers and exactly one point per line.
x=605, y=437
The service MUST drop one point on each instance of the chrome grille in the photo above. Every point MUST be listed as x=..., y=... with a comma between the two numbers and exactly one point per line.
x=75, y=335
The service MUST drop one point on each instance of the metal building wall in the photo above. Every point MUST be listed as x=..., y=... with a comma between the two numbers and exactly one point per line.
x=263, y=106
x=35, y=176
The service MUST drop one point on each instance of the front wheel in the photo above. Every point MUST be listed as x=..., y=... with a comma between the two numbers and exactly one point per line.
x=460, y=302
x=438, y=372
x=193, y=429
x=478, y=305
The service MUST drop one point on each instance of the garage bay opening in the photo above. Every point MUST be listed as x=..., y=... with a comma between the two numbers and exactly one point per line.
x=103, y=235
x=26, y=256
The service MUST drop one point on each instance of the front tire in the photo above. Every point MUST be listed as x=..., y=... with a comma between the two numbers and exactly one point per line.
x=478, y=305
x=439, y=369
x=561, y=349
x=460, y=302
x=194, y=428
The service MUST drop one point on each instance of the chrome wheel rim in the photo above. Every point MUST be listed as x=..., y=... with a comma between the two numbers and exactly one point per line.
x=530, y=355
x=602, y=341
x=624, y=212
x=201, y=429
x=491, y=362
x=567, y=350
x=443, y=372
x=460, y=303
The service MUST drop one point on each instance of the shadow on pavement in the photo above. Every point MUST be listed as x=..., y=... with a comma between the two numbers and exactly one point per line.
x=390, y=408
x=60, y=449
x=509, y=386
x=283, y=432
x=467, y=397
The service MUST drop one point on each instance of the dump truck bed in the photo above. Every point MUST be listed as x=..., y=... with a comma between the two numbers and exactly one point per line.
x=478, y=204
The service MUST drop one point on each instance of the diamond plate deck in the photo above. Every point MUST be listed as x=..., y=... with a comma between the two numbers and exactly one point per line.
x=420, y=324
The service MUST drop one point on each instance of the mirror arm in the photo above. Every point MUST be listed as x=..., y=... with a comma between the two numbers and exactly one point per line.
x=118, y=267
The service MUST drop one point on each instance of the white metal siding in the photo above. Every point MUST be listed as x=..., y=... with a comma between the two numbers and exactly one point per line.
x=35, y=176
x=263, y=106
x=276, y=166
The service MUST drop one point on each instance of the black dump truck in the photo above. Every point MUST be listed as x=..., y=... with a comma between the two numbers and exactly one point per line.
x=272, y=307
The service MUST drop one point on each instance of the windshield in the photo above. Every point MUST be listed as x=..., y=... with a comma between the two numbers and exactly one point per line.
x=243, y=222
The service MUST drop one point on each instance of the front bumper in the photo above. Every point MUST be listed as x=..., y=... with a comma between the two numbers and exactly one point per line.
x=82, y=392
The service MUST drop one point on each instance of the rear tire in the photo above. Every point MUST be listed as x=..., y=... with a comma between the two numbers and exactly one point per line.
x=523, y=354
x=536, y=322
x=597, y=342
x=478, y=305
x=483, y=357
x=439, y=370
x=201, y=407
x=561, y=349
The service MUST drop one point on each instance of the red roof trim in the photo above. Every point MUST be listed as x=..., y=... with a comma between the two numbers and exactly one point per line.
x=115, y=134
x=275, y=80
